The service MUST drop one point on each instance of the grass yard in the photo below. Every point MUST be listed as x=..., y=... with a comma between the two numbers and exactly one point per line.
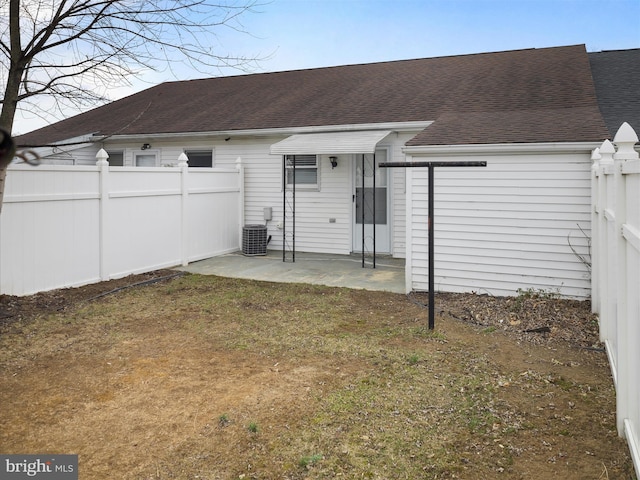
x=213, y=378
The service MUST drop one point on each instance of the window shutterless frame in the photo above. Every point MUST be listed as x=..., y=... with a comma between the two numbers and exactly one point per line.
x=145, y=159
x=306, y=171
x=200, y=157
x=116, y=158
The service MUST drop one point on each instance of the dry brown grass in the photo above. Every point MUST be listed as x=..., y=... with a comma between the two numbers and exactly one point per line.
x=213, y=378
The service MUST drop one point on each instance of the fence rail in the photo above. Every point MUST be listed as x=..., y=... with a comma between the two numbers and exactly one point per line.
x=66, y=226
x=616, y=272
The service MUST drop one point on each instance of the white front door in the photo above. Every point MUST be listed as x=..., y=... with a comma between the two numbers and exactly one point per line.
x=374, y=187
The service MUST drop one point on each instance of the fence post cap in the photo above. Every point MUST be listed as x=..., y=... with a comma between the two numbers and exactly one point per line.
x=183, y=160
x=101, y=157
x=625, y=139
x=626, y=134
x=606, y=152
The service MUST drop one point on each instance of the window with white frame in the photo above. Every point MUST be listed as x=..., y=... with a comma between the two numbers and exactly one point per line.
x=146, y=159
x=200, y=158
x=305, y=171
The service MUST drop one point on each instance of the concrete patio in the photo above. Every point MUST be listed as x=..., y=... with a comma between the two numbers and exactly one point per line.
x=313, y=268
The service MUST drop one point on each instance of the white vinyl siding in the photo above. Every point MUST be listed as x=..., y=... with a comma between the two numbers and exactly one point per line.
x=397, y=182
x=314, y=208
x=510, y=225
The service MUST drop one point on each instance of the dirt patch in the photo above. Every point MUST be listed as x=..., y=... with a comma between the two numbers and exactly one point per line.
x=204, y=377
x=533, y=317
x=26, y=308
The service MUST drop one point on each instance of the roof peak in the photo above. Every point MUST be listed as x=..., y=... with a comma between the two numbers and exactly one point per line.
x=381, y=63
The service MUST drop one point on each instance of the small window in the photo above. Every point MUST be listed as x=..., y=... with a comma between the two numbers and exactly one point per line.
x=146, y=160
x=306, y=170
x=200, y=158
x=116, y=158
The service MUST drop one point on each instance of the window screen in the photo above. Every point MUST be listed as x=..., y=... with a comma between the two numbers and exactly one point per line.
x=306, y=169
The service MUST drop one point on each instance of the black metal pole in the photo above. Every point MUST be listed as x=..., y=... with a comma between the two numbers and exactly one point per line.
x=432, y=300
x=431, y=267
x=284, y=208
x=362, y=206
x=373, y=168
x=293, y=232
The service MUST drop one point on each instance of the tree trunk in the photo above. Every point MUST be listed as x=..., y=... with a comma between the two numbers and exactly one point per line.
x=16, y=69
x=12, y=90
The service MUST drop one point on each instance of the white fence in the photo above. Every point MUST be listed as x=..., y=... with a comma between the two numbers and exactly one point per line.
x=616, y=272
x=68, y=226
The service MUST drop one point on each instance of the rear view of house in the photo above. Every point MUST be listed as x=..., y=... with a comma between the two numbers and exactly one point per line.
x=319, y=136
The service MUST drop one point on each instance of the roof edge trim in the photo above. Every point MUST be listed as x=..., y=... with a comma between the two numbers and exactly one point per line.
x=500, y=148
x=393, y=126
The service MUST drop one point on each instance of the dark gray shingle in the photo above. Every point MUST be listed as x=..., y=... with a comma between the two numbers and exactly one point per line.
x=536, y=95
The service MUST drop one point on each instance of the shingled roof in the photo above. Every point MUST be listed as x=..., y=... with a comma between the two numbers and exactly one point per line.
x=536, y=95
x=616, y=74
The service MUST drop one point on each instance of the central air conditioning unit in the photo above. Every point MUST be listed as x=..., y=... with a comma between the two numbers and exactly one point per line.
x=254, y=240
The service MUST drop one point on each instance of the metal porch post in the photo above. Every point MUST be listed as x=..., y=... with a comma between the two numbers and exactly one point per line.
x=284, y=210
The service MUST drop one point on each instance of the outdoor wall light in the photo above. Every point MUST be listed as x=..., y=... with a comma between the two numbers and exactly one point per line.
x=145, y=146
x=334, y=162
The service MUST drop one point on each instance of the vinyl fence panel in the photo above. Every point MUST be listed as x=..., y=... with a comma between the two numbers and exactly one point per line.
x=616, y=273
x=65, y=226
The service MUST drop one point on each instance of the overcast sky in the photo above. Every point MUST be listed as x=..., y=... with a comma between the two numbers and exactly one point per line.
x=299, y=34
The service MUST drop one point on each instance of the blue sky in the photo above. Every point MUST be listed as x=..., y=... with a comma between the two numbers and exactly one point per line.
x=298, y=34
x=306, y=34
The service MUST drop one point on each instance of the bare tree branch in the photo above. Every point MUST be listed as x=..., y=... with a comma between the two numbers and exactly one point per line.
x=72, y=51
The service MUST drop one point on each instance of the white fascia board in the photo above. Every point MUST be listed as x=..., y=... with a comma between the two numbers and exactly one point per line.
x=263, y=132
x=500, y=148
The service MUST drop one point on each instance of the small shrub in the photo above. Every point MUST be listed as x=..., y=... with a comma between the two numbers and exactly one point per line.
x=413, y=359
x=310, y=460
x=223, y=420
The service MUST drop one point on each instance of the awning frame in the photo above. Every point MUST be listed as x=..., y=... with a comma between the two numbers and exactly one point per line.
x=331, y=143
